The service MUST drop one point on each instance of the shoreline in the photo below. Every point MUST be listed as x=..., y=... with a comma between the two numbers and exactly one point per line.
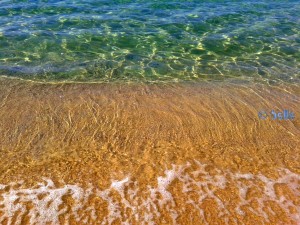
x=93, y=134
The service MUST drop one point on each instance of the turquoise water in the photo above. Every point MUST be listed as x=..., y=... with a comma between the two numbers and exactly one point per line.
x=103, y=40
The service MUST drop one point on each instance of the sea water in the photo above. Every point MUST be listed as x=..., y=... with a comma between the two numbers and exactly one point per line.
x=103, y=41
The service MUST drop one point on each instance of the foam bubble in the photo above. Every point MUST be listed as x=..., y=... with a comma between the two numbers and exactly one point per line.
x=119, y=185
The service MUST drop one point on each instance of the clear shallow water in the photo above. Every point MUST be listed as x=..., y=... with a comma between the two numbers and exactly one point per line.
x=150, y=40
x=148, y=154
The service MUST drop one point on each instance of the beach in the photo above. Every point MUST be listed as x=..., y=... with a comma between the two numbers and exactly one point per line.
x=149, y=112
x=196, y=153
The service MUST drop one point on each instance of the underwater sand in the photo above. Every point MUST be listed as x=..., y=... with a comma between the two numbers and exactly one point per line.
x=189, y=153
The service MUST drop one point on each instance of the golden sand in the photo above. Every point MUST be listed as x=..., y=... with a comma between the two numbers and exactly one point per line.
x=137, y=137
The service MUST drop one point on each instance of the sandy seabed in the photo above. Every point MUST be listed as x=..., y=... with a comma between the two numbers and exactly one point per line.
x=190, y=153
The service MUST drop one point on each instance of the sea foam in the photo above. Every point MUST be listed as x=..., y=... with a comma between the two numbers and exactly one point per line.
x=124, y=202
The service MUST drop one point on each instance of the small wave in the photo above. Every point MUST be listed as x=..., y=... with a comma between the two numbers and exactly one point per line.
x=193, y=193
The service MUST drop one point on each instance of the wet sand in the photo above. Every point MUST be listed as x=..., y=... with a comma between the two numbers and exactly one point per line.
x=192, y=153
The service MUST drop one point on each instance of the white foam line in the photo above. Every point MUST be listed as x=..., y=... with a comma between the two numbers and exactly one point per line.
x=146, y=208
